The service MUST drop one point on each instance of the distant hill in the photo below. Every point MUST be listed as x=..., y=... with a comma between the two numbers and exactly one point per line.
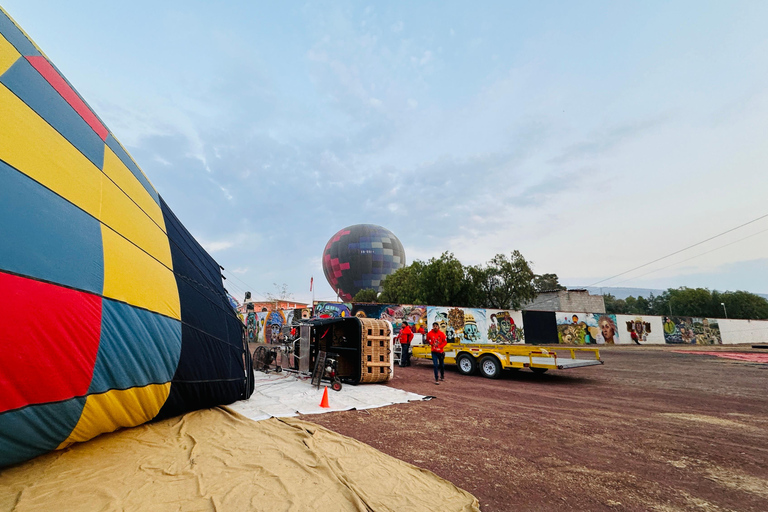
x=623, y=293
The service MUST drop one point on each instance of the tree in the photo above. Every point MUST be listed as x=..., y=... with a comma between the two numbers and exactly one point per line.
x=613, y=305
x=547, y=283
x=443, y=282
x=365, y=295
x=281, y=293
x=742, y=304
x=503, y=283
x=403, y=286
x=696, y=302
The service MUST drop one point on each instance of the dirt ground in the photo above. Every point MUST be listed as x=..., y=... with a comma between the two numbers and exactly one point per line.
x=650, y=430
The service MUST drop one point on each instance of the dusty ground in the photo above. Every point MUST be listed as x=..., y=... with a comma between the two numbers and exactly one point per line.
x=649, y=430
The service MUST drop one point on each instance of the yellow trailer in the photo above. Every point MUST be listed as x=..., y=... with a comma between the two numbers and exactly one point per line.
x=491, y=359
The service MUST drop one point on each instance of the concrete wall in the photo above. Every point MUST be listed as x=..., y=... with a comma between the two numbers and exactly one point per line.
x=744, y=331
x=579, y=301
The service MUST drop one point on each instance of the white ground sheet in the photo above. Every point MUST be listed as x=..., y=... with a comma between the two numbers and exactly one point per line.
x=284, y=394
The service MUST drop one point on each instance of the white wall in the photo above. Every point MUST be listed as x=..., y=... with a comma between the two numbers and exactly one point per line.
x=743, y=331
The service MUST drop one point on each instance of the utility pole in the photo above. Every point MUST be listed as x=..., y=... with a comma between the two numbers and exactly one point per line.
x=724, y=310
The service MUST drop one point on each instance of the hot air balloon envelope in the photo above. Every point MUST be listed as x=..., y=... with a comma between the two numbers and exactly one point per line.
x=360, y=257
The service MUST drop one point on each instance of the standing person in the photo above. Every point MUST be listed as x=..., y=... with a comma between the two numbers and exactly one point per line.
x=634, y=336
x=437, y=342
x=405, y=337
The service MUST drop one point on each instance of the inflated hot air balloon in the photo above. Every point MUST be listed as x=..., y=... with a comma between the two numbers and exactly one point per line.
x=111, y=314
x=360, y=257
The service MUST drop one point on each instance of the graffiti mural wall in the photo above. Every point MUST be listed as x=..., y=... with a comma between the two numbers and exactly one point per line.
x=474, y=325
x=588, y=329
x=333, y=309
x=649, y=329
x=691, y=330
x=416, y=316
x=505, y=326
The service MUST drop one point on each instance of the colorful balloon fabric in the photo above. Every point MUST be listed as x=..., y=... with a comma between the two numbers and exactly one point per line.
x=360, y=257
x=111, y=314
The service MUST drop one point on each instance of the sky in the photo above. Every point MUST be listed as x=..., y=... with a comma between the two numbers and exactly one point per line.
x=593, y=137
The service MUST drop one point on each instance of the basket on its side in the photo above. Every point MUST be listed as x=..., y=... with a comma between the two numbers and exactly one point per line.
x=376, y=351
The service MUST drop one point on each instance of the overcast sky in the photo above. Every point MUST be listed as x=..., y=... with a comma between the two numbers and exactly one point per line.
x=594, y=137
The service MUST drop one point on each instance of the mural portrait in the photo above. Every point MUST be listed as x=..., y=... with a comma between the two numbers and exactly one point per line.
x=503, y=328
x=252, y=327
x=678, y=329
x=587, y=329
x=706, y=331
x=649, y=329
x=691, y=330
x=463, y=325
x=608, y=331
x=275, y=320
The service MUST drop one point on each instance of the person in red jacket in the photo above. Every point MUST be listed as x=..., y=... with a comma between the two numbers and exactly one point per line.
x=437, y=342
x=405, y=337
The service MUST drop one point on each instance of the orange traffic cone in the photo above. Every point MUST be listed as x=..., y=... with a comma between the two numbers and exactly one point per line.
x=324, y=401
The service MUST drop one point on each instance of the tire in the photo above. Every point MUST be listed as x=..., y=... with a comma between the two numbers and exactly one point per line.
x=490, y=367
x=336, y=386
x=466, y=363
x=539, y=370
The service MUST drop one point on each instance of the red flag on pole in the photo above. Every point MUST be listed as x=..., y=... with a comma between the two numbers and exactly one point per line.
x=311, y=282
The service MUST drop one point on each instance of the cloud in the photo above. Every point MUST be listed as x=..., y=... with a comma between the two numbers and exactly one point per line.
x=214, y=247
x=608, y=140
x=272, y=146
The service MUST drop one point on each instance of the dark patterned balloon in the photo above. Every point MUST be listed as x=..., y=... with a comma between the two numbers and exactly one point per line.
x=360, y=257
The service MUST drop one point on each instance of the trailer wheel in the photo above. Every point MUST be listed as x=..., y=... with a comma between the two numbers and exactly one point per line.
x=466, y=363
x=539, y=370
x=490, y=367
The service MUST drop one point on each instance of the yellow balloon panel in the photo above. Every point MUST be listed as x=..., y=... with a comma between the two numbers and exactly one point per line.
x=116, y=409
x=8, y=55
x=116, y=170
x=32, y=146
x=134, y=277
x=124, y=216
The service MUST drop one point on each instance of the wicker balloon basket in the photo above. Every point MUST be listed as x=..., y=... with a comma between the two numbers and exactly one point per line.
x=376, y=351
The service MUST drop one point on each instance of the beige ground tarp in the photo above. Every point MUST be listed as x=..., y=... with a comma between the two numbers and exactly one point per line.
x=218, y=460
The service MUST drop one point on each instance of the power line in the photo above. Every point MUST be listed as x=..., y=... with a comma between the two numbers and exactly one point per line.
x=681, y=250
x=247, y=286
x=693, y=257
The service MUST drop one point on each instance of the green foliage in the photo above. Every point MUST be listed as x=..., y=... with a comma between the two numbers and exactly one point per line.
x=403, y=286
x=503, y=283
x=699, y=302
x=365, y=295
x=547, y=283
